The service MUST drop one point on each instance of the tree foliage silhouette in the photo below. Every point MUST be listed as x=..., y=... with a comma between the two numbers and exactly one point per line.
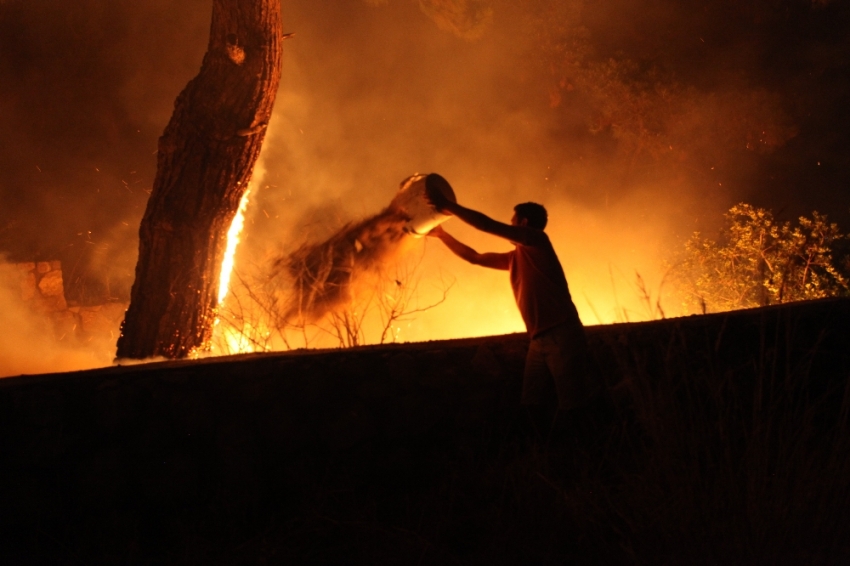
x=759, y=261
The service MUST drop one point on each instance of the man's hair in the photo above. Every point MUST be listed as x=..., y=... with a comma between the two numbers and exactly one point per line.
x=534, y=213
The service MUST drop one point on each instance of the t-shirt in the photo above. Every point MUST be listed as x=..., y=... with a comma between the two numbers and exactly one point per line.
x=540, y=287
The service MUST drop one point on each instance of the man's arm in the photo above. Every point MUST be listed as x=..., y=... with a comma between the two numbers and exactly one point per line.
x=492, y=260
x=517, y=234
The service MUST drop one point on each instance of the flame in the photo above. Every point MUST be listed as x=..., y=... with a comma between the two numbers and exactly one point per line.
x=238, y=340
x=230, y=252
x=235, y=342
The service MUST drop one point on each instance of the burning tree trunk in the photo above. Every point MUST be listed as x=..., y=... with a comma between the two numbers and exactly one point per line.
x=206, y=156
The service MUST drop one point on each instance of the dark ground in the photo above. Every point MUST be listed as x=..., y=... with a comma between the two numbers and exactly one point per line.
x=728, y=443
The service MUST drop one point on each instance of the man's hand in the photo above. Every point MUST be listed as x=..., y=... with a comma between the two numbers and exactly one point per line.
x=436, y=232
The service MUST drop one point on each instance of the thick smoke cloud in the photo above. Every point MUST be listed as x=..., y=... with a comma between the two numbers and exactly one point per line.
x=88, y=87
x=634, y=126
x=633, y=122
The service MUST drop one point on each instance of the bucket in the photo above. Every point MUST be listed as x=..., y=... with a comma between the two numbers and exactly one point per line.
x=411, y=199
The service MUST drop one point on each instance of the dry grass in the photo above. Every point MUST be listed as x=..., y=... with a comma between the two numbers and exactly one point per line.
x=717, y=462
x=730, y=448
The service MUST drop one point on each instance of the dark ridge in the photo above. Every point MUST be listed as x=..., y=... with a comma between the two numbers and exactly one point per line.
x=727, y=441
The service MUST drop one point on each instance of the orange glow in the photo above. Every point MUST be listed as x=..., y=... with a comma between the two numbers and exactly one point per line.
x=237, y=340
x=613, y=268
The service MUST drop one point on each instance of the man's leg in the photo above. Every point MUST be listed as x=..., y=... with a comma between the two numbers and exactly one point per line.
x=538, y=392
x=536, y=379
x=564, y=350
x=585, y=411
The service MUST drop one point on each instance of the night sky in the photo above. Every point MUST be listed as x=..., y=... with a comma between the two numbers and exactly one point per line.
x=635, y=122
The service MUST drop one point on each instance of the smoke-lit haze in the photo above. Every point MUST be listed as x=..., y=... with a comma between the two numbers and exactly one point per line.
x=634, y=122
x=33, y=344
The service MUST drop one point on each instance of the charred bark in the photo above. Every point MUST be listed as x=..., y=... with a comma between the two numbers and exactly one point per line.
x=205, y=159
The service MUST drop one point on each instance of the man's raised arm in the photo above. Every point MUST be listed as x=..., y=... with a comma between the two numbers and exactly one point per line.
x=480, y=221
x=492, y=260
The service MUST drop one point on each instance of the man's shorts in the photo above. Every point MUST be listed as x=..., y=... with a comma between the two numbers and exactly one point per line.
x=559, y=356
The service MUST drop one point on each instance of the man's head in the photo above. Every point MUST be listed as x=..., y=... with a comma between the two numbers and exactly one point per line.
x=531, y=214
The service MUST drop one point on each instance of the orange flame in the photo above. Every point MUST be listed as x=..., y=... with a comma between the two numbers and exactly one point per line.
x=234, y=340
x=230, y=252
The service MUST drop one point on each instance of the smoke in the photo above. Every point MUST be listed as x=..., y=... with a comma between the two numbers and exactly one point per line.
x=634, y=123
x=88, y=88
x=36, y=342
x=630, y=143
x=468, y=19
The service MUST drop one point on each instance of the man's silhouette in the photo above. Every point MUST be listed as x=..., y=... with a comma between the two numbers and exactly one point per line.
x=558, y=348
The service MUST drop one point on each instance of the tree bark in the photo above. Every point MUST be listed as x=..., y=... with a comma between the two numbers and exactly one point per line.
x=205, y=159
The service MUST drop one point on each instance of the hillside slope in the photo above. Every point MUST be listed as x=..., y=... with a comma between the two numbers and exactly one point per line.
x=729, y=442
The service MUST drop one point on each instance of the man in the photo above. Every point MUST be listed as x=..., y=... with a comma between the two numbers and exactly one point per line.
x=558, y=348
